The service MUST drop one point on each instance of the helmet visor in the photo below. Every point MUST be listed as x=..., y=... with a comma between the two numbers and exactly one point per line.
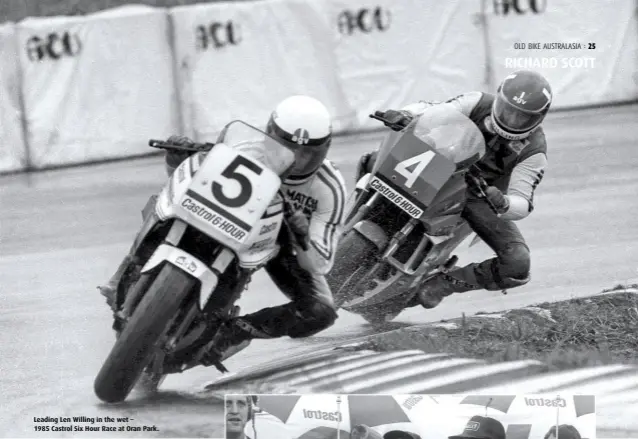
x=514, y=119
x=308, y=158
x=309, y=153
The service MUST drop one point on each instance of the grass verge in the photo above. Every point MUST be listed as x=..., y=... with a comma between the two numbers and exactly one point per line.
x=565, y=335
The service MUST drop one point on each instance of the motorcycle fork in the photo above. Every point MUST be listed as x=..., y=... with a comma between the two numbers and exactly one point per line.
x=220, y=264
x=362, y=211
x=177, y=230
x=395, y=242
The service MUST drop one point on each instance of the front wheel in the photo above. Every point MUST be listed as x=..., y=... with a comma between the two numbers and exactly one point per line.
x=378, y=315
x=134, y=347
x=356, y=255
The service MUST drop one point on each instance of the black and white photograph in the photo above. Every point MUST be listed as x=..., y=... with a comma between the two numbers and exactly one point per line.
x=326, y=416
x=339, y=199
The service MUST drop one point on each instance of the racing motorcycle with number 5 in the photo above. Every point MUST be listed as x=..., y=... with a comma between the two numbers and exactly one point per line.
x=216, y=221
x=405, y=220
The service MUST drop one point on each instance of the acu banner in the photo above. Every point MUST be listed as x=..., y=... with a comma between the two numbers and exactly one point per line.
x=98, y=86
x=392, y=53
x=12, y=148
x=238, y=60
x=588, y=51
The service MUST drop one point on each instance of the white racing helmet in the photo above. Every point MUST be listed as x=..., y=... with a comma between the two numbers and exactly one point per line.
x=304, y=125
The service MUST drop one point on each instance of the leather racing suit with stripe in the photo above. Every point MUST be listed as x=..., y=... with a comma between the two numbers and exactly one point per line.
x=515, y=167
x=299, y=274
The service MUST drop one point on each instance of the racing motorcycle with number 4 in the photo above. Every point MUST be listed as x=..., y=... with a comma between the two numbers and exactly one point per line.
x=405, y=220
x=216, y=221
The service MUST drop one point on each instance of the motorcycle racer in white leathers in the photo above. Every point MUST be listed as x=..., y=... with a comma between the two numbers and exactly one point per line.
x=315, y=194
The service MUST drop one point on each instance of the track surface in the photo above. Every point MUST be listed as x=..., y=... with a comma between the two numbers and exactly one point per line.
x=64, y=232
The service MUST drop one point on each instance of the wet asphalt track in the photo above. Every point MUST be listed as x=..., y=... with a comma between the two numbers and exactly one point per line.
x=64, y=232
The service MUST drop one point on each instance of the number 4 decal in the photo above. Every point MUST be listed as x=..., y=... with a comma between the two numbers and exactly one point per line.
x=421, y=161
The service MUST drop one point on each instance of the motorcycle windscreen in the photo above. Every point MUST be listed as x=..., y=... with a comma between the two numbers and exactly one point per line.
x=259, y=145
x=415, y=166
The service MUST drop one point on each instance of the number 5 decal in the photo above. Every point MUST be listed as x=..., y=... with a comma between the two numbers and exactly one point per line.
x=421, y=161
x=245, y=187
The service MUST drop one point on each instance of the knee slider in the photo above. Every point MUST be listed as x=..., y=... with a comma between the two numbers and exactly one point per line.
x=515, y=262
x=315, y=317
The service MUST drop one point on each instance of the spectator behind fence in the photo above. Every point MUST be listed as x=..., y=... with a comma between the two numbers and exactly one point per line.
x=563, y=431
x=481, y=427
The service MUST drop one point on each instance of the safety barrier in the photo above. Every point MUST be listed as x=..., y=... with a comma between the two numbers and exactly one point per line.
x=83, y=89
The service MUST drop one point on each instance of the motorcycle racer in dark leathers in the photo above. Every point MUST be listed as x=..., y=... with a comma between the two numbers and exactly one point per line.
x=512, y=168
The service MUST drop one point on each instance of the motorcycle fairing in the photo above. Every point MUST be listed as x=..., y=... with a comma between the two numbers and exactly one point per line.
x=189, y=264
x=259, y=243
x=227, y=196
x=428, y=171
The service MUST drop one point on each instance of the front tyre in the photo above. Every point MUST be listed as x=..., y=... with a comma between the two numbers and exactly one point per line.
x=134, y=347
x=356, y=255
x=380, y=315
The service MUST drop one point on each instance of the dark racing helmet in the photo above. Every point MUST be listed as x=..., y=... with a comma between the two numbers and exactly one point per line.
x=304, y=125
x=522, y=102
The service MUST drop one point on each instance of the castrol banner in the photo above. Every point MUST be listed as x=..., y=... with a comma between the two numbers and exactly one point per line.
x=238, y=60
x=588, y=51
x=393, y=53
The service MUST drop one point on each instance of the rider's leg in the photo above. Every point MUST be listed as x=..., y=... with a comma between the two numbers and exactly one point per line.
x=310, y=311
x=509, y=269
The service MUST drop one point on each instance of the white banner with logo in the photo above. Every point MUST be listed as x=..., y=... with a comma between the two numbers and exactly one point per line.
x=12, y=148
x=588, y=51
x=393, y=53
x=98, y=86
x=238, y=60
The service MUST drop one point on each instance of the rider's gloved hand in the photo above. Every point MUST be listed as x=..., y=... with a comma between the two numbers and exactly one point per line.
x=178, y=140
x=499, y=200
x=299, y=226
x=174, y=157
x=365, y=165
x=398, y=117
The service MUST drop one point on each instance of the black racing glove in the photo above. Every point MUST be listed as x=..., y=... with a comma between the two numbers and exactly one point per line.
x=365, y=165
x=179, y=140
x=498, y=199
x=174, y=157
x=479, y=188
x=398, y=117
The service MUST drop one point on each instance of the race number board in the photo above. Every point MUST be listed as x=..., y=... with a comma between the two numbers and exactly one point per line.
x=229, y=193
x=412, y=174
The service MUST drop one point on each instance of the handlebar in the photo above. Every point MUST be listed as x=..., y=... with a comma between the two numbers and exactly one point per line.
x=194, y=147
x=380, y=116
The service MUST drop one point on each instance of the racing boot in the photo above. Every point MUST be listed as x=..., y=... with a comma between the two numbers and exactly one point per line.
x=234, y=336
x=109, y=291
x=433, y=291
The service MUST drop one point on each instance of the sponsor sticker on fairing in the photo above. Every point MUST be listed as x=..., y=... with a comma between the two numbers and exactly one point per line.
x=398, y=199
x=222, y=224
